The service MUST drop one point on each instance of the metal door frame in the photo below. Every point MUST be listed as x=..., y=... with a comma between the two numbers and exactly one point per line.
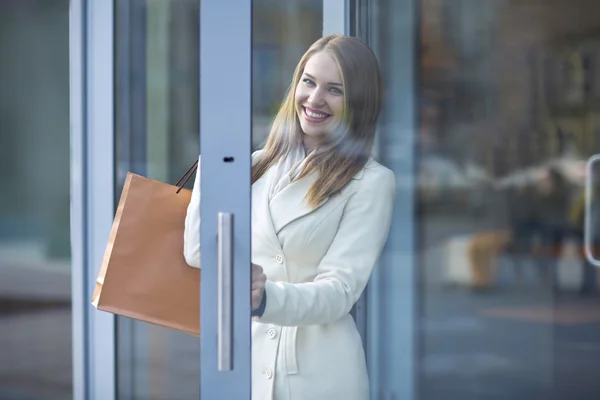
x=92, y=192
x=225, y=140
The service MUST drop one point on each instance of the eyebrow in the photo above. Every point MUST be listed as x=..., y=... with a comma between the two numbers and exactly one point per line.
x=329, y=83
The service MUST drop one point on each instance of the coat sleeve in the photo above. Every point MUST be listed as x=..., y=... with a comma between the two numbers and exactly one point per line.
x=346, y=267
x=191, y=234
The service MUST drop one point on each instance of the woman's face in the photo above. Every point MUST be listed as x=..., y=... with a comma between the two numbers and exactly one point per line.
x=319, y=98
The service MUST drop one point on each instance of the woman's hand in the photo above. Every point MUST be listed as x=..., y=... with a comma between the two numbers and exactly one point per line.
x=258, y=285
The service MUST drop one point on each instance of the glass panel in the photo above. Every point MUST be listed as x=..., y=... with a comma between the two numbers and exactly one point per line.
x=507, y=114
x=35, y=256
x=282, y=31
x=157, y=136
x=506, y=211
x=156, y=103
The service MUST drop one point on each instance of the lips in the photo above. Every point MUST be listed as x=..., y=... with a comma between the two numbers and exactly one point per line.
x=314, y=116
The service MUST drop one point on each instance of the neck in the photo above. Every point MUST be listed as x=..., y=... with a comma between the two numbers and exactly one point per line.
x=310, y=143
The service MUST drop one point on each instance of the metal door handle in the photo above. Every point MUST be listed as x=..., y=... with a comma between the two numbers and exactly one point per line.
x=588, y=228
x=225, y=292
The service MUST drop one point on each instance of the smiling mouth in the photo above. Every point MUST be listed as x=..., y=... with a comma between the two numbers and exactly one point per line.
x=314, y=116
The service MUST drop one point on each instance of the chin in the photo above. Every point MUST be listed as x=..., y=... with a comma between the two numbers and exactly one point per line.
x=312, y=133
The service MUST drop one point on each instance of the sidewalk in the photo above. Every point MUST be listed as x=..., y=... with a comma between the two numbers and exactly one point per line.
x=35, y=324
x=35, y=361
x=25, y=273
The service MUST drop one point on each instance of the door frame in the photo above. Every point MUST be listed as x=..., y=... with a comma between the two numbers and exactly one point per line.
x=92, y=192
x=225, y=168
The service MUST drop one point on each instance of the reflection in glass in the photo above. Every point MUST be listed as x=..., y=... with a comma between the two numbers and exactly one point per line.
x=156, y=124
x=35, y=264
x=282, y=31
x=507, y=103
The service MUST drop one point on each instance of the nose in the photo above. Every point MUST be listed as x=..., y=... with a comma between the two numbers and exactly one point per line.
x=316, y=98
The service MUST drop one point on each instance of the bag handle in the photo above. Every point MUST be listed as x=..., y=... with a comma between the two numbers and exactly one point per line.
x=188, y=174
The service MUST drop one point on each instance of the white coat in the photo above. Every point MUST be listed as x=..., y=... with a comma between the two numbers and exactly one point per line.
x=317, y=261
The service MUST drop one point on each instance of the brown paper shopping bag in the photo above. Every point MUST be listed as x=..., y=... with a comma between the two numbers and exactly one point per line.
x=144, y=274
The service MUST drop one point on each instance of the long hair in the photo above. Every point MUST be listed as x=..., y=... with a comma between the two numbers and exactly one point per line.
x=348, y=149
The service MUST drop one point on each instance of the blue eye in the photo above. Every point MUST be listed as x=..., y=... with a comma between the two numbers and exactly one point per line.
x=336, y=90
x=308, y=81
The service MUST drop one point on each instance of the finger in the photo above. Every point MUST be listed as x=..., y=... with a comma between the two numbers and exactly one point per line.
x=258, y=285
x=255, y=295
x=256, y=269
x=259, y=278
x=257, y=274
x=256, y=277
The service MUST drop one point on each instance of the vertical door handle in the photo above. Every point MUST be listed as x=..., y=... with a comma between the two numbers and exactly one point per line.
x=225, y=293
x=589, y=233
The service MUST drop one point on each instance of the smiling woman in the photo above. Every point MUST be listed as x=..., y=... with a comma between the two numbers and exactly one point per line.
x=340, y=144
x=321, y=212
x=319, y=99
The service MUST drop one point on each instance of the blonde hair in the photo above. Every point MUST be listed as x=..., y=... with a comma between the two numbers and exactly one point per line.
x=348, y=149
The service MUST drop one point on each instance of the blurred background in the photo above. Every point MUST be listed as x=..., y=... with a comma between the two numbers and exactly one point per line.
x=507, y=113
x=35, y=281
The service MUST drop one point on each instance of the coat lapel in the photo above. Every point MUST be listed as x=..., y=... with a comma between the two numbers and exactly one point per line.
x=262, y=223
x=289, y=205
x=285, y=207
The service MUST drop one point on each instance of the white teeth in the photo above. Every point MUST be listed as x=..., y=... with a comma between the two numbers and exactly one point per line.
x=315, y=115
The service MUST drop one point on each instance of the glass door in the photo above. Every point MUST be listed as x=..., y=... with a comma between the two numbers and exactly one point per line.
x=169, y=56
x=484, y=290
x=506, y=121
x=244, y=78
x=169, y=71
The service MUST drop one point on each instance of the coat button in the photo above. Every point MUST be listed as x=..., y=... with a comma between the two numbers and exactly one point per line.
x=272, y=333
x=279, y=258
x=269, y=373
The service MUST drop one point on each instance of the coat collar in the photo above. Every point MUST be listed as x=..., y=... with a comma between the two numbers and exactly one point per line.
x=286, y=206
x=262, y=223
x=289, y=204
